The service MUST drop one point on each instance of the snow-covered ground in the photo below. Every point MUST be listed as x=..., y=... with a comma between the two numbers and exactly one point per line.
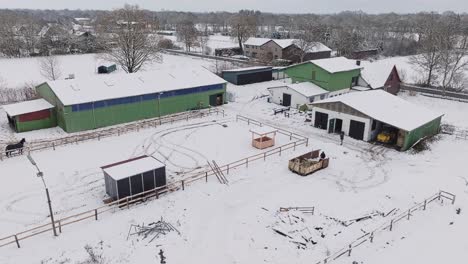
x=18, y=72
x=214, y=42
x=234, y=223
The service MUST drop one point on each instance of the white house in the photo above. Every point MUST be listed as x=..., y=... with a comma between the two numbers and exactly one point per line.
x=297, y=94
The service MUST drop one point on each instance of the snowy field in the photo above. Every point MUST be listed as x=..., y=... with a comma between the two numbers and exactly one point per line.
x=214, y=42
x=234, y=223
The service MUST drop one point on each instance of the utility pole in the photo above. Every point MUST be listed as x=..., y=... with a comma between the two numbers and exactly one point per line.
x=49, y=202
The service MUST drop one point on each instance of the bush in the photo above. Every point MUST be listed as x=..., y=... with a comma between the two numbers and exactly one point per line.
x=166, y=44
x=303, y=108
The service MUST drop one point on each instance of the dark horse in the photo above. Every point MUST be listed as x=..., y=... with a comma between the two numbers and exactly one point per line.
x=18, y=146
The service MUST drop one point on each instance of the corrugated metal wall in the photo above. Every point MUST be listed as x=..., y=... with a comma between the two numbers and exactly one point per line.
x=429, y=129
x=31, y=122
x=86, y=117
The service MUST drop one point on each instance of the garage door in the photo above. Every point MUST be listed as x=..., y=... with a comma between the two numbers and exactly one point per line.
x=356, y=130
x=321, y=120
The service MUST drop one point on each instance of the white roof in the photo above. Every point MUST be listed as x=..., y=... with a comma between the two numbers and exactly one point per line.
x=131, y=168
x=284, y=43
x=338, y=64
x=307, y=89
x=256, y=41
x=104, y=87
x=319, y=47
x=249, y=69
x=376, y=73
x=386, y=108
x=27, y=107
x=263, y=130
x=361, y=88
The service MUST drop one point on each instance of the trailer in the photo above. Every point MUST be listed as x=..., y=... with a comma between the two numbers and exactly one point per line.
x=308, y=163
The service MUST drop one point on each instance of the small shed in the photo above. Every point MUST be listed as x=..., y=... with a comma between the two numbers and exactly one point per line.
x=133, y=176
x=30, y=115
x=103, y=69
x=298, y=94
x=263, y=137
x=248, y=75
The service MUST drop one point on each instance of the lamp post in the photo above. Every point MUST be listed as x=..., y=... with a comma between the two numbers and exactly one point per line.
x=41, y=175
x=159, y=106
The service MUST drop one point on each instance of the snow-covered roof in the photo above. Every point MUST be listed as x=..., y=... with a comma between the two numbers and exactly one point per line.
x=249, y=69
x=284, y=43
x=386, y=108
x=263, y=130
x=133, y=167
x=27, y=107
x=256, y=41
x=307, y=89
x=98, y=88
x=376, y=73
x=338, y=64
x=319, y=47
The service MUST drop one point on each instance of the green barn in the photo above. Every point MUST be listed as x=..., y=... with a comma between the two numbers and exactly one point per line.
x=30, y=115
x=332, y=74
x=100, y=101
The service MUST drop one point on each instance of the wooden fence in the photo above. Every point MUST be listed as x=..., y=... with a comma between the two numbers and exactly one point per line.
x=114, y=131
x=438, y=93
x=129, y=201
x=369, y=236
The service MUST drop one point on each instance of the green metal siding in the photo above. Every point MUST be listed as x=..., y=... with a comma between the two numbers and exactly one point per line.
x=328, y=81
x=118, y=114
x=427, y=130
x=36, y=124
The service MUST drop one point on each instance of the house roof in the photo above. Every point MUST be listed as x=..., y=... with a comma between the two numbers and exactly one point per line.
x=132, y=167
x=284, y=43
x=250, y=69
x=338, y=64
x=386, y=108
x=27, y=107
x=256, y=41
x=263, y=130
x=98, y=88
x=376, y=73
x=307, y=89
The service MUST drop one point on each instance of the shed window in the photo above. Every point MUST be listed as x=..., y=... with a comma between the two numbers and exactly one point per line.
x=313, y=75
x=311, y=99
x=322, y=97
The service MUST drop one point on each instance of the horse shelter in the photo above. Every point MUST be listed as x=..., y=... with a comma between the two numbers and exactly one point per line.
x=263, y=137
x=133, y=176
x=30, y=115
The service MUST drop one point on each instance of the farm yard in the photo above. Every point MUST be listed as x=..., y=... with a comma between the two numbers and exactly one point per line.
x=365, y=187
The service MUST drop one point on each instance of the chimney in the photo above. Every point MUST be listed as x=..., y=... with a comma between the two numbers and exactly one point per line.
x=358, y=63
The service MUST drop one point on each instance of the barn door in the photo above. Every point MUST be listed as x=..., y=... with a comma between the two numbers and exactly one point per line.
x=331, y=127
x=286, y=99
x=321, y=120
x=356, y=130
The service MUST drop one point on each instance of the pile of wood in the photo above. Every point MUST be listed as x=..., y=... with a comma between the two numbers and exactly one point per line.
x=152, y=230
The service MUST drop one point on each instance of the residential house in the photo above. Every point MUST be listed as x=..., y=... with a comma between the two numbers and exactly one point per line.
x=282, y=49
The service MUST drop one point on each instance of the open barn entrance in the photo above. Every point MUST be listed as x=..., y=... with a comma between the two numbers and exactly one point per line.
x=216, y=99
x=386, y=134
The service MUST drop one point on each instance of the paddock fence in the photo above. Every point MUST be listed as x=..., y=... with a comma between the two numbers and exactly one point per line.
x=437, y=93
x=61, y=223
x=112, y=131
x=369, y=236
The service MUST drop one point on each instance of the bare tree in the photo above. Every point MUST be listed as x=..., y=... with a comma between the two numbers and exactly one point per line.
x=188, y=34
x=430, y=45
x=347, y=41
x=454, y=48
x=243, y=25
x=50, y=68
x=309, y=37
x=203, y=41
x=128, y=38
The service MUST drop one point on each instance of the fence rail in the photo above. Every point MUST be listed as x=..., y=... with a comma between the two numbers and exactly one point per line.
x=129, y=201
x=113, y=131
x=459, y=96
x=369, y=236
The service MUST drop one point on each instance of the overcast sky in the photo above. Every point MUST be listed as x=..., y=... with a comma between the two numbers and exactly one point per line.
x=276, y=6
